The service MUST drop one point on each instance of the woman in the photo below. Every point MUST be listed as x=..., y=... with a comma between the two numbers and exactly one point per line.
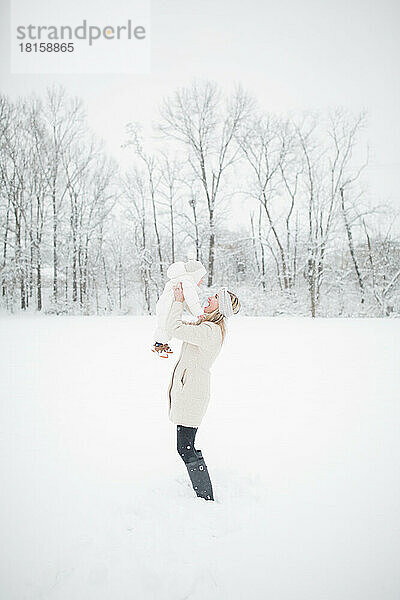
x=189, y=390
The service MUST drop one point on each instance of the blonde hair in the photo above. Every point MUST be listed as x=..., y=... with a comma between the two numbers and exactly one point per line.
x=217, y=318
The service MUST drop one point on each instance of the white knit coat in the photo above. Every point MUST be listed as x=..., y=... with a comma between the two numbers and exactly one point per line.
x=189, y=389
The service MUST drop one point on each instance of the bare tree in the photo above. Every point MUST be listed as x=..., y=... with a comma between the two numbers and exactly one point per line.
x=135, y=195
x=63, y=122
x=153, y=177
x=198, y=118
x=169, y=190
x=384, y=260
x=344, y=131
x=265, y=145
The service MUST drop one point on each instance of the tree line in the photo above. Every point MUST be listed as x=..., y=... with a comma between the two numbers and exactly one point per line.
x=79, y=234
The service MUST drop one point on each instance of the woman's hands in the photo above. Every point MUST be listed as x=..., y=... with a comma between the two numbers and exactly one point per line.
x=178, y=293
x=179, y=297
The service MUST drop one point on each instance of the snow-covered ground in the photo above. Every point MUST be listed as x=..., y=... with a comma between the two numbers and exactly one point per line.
x=301, y=439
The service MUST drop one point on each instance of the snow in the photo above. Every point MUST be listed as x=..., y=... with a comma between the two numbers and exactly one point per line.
x=301, y=439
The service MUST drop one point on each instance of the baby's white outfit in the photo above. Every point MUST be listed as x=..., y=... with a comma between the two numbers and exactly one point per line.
x=189, y=274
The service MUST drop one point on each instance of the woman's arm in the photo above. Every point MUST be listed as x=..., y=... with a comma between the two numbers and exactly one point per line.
x=194, y=334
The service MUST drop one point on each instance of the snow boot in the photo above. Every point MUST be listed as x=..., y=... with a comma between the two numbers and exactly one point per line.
x=162, y=350
x=157, y=348
x=200, y=478
x=166, y=350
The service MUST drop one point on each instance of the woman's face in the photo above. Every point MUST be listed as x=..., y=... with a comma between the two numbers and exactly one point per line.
x=212, y=304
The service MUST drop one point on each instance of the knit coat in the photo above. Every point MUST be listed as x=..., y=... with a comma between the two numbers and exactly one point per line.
x=189, y=389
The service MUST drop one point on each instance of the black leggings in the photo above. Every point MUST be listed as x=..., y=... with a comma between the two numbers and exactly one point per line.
x=185, y=443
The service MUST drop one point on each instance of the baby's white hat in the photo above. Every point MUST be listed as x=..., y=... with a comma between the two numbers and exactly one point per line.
x=195, y=268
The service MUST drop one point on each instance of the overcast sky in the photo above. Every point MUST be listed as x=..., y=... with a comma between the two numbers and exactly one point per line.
x=288, y=54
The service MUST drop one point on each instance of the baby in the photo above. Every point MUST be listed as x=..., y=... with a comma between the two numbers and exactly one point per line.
x=190, y=274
